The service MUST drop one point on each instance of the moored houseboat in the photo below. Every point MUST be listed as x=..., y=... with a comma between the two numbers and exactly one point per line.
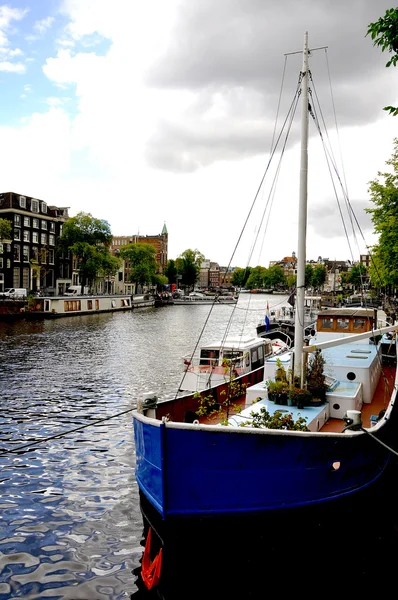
x=67, y=306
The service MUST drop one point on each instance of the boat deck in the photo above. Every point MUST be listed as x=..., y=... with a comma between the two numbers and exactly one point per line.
x=380, y=402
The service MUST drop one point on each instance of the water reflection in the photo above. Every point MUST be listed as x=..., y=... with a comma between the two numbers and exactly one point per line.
x=69, y=513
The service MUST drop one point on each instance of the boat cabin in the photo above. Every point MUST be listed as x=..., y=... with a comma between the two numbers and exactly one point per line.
x=340, y=321
x=217, y=361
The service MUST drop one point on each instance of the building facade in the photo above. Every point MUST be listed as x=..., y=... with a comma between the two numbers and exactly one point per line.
x=29, y=259
x=122, y=281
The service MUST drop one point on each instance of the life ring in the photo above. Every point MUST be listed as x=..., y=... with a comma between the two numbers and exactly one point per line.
x=150, y=571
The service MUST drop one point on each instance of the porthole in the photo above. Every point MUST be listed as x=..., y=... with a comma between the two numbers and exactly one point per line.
x=351, y=376
x=336, y=406
x=336, y=465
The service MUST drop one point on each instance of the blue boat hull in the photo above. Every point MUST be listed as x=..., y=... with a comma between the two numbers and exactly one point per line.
x=194, y=471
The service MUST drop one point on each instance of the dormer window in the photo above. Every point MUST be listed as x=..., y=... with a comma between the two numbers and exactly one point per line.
x=34, y=205
x=43, y=207
x=22, y=201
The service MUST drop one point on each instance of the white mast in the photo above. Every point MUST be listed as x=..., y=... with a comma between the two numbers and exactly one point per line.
x=302, y=222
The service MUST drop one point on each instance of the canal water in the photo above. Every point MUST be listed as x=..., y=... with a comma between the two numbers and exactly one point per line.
x=70, y=524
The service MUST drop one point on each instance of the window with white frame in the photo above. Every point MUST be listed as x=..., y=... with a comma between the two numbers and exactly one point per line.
x=43, y=238
x=25, y=253
x=17, y=234
x=51, y=239
x=1, y=248
x=35, y=223
x=17, y=253
x=34, y=205
x=51, y=226
x=35, y=252
x=22, y=201
x=1, y=262
x=26, y=221
x=35, y=237
x=8, y=263
x=44, y=224
x=43, y=207
x=51, y=255
x=17, y=220
x=26, y=236
x=15, y=277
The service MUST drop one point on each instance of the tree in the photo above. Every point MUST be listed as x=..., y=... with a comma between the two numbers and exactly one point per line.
x=171, y=271
x=357, y=276
x=258, y=277
x=384, y=34
x=384, y=196
x=318, y=277
x=188, y=266
x=109, y=266
x=142, y=259
x=88, y=239
x=5, y=230
x=240, y=276
x=275, y=276
x=309, y=273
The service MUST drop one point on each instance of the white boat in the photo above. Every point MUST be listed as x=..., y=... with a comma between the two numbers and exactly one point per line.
x=232, y=357
x=142, y=301
x=69, y=306
x=269, y=459
x=197, y=298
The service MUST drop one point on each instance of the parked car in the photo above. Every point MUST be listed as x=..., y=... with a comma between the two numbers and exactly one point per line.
x=14, y=293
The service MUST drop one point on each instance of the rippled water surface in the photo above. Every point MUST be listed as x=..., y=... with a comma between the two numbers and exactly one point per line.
x=69, y=515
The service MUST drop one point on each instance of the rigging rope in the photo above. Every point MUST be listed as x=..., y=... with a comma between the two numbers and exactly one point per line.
x=62, y=434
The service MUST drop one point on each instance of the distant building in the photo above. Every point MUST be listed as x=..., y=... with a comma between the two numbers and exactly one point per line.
x=29, y=259
x=122, y=282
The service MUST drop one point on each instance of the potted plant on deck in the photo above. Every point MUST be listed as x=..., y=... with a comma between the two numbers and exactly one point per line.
x=278, y=388
x=316, y=379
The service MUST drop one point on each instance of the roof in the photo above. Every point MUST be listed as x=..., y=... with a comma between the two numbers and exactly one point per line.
x=164, y=230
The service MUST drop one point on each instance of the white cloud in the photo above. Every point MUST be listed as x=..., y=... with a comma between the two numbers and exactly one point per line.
x=152, y=141
x=9, y=67
x=44, y=24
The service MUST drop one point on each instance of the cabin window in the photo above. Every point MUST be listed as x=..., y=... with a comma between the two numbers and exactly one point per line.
x=254, y=355
x=351, y=376
x=89, y=304
x=209, y=357
x=359, y=324
x=113, y=303
x=327, y=323
x=72, y=305
x=342, y=323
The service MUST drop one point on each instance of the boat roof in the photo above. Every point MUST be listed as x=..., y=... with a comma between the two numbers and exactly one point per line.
x=236, y=343
x=355, y=311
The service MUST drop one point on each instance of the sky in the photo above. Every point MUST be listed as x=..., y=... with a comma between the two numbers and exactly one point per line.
x=153, y=112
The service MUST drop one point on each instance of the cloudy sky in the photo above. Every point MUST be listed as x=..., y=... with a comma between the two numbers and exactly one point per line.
x=145, y=112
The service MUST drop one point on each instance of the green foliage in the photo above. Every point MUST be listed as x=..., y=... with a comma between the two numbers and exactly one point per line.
x=318, y=276
x=278, y=391
x=5, y=229
x=188, y=266
x=261, y=278
x=225, y=407
x=384, y=195
x=88, y=239
x=240, y=276
x=309, y=273
x=279, y=420
x=142, y=261
x=316, y=383
x=300, y=396
x=171, y=271
x=384, y=34
x=357, y=275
